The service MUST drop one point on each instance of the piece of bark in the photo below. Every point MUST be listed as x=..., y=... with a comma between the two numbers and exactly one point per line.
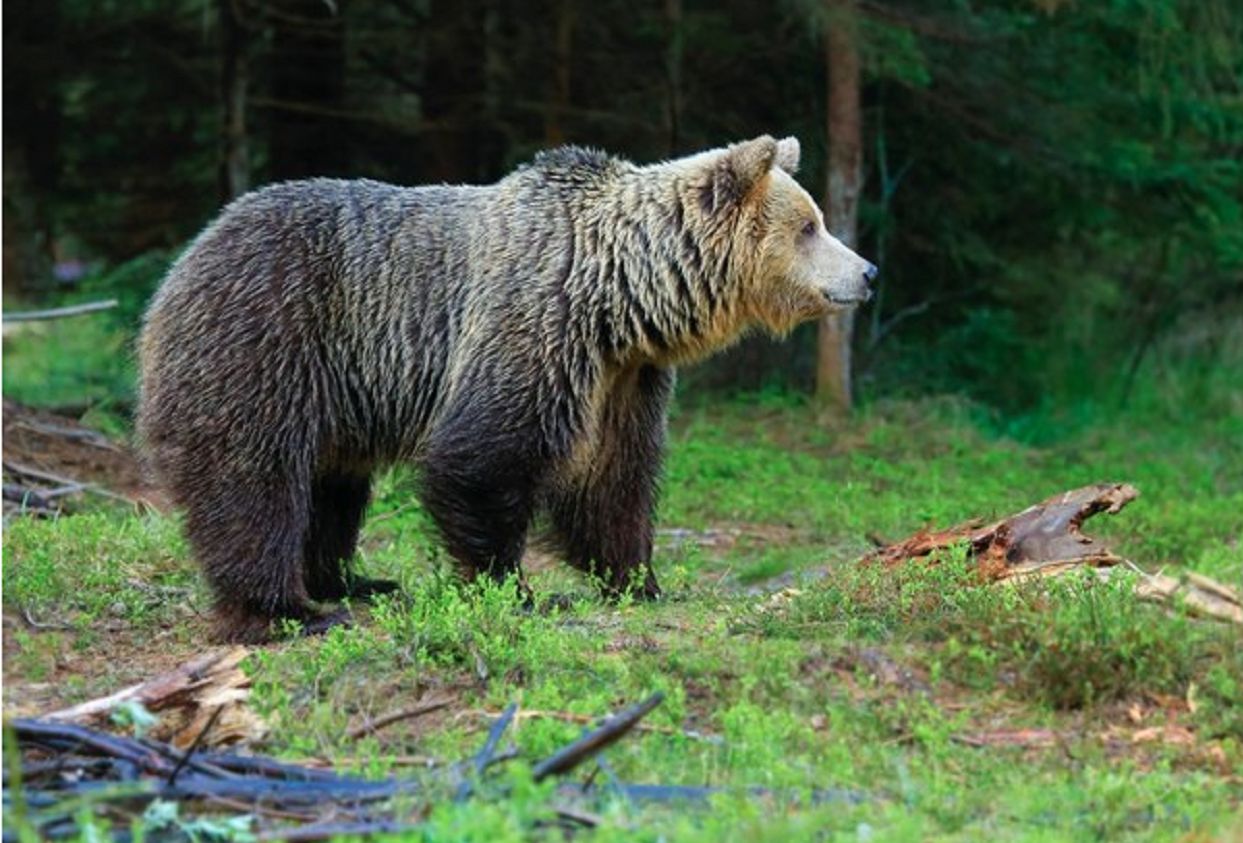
x=1047, y=540
x=1042, y=539
x=187, y=697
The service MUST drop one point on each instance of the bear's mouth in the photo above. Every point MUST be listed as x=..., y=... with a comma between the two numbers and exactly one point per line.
x=842, y=302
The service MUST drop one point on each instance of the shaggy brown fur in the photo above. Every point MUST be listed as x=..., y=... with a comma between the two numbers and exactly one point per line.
x=516, y=342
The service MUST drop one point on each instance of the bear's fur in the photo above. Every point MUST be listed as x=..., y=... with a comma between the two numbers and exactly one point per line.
x=516, y=342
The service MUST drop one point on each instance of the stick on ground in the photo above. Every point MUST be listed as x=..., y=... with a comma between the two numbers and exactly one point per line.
x=485, y=756
x=418, y=710
x=614, y=728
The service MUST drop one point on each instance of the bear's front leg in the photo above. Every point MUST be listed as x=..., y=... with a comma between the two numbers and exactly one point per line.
x=479, y=489
x=603, y=518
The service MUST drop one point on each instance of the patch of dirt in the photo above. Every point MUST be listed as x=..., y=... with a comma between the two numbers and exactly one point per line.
x=719, y=539
x=59, y=451
x=45, y=670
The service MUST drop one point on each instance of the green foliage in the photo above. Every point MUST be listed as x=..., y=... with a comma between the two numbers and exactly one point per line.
x=84, y=360
x=1052, y=188
x=96, y=565
x=860, y=680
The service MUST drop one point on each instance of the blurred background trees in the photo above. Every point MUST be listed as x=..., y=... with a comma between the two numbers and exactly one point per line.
x=1053, y=189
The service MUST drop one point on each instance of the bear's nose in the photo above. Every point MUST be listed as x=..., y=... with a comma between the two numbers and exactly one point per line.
x=869, y=274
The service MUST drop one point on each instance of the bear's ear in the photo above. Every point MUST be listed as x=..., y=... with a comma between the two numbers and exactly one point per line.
x=788, y=154
x=737, y=171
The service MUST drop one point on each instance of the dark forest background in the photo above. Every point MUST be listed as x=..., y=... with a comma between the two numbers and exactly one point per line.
x=1053, y=189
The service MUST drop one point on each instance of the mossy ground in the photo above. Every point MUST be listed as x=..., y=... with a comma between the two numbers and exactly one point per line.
x=908, y=688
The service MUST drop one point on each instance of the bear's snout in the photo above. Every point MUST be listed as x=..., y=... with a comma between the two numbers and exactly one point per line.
x=869, y=279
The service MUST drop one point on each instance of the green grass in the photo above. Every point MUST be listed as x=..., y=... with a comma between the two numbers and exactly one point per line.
x=856, y=679
x=79, y=361
x=784, y=664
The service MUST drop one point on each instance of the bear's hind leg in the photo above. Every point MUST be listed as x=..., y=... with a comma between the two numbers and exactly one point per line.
x=247, y=532
x=338, y=503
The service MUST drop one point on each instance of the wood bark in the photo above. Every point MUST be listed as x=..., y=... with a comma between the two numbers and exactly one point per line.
x=1047, y=540
x=673, y=73
x=234, y=172
x=845, y=173
x=559, y=102
x=198, y=690
x=308, y=72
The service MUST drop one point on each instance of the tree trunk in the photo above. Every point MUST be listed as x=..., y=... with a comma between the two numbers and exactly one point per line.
x=234, y=174
x=673, y=73
x=845, y=124
x=308, y=85
x=454, y=86
x=34, y=54
x=559, y=102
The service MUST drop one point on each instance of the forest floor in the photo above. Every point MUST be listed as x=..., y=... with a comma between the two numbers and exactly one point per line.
x=926, y=705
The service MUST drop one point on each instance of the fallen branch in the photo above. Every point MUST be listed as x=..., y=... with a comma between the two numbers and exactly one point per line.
x=336, y=830
x=485, y=756
x=612, y=730
x=40, y=626
x=1198, y=594
x=60, y=312
x=370, y=726
x=27, y=497
x=586, y=720
x=73, y=434
x=194, y=745
x=676, y=793
x=120, y=774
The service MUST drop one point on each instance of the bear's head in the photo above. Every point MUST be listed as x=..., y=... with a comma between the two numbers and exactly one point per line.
x=784, y=267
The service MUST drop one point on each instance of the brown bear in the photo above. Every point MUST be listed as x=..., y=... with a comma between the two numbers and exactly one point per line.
x=516, y=342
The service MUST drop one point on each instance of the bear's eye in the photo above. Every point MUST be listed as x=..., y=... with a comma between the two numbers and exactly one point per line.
x=809, y=228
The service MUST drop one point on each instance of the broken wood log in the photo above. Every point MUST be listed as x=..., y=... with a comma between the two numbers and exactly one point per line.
x=1045, y=536
x=195, y=690
x=1047, y=539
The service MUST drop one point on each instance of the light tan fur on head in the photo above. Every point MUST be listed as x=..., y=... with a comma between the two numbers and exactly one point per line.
x=765, y=239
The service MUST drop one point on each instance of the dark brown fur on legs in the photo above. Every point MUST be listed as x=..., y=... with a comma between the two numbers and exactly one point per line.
x=478, y=484
x=248, y=530
x=603, y=521
x=270, y=554
x=338, y=502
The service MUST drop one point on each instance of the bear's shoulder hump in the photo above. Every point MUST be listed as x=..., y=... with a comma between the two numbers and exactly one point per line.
x=575, y=164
